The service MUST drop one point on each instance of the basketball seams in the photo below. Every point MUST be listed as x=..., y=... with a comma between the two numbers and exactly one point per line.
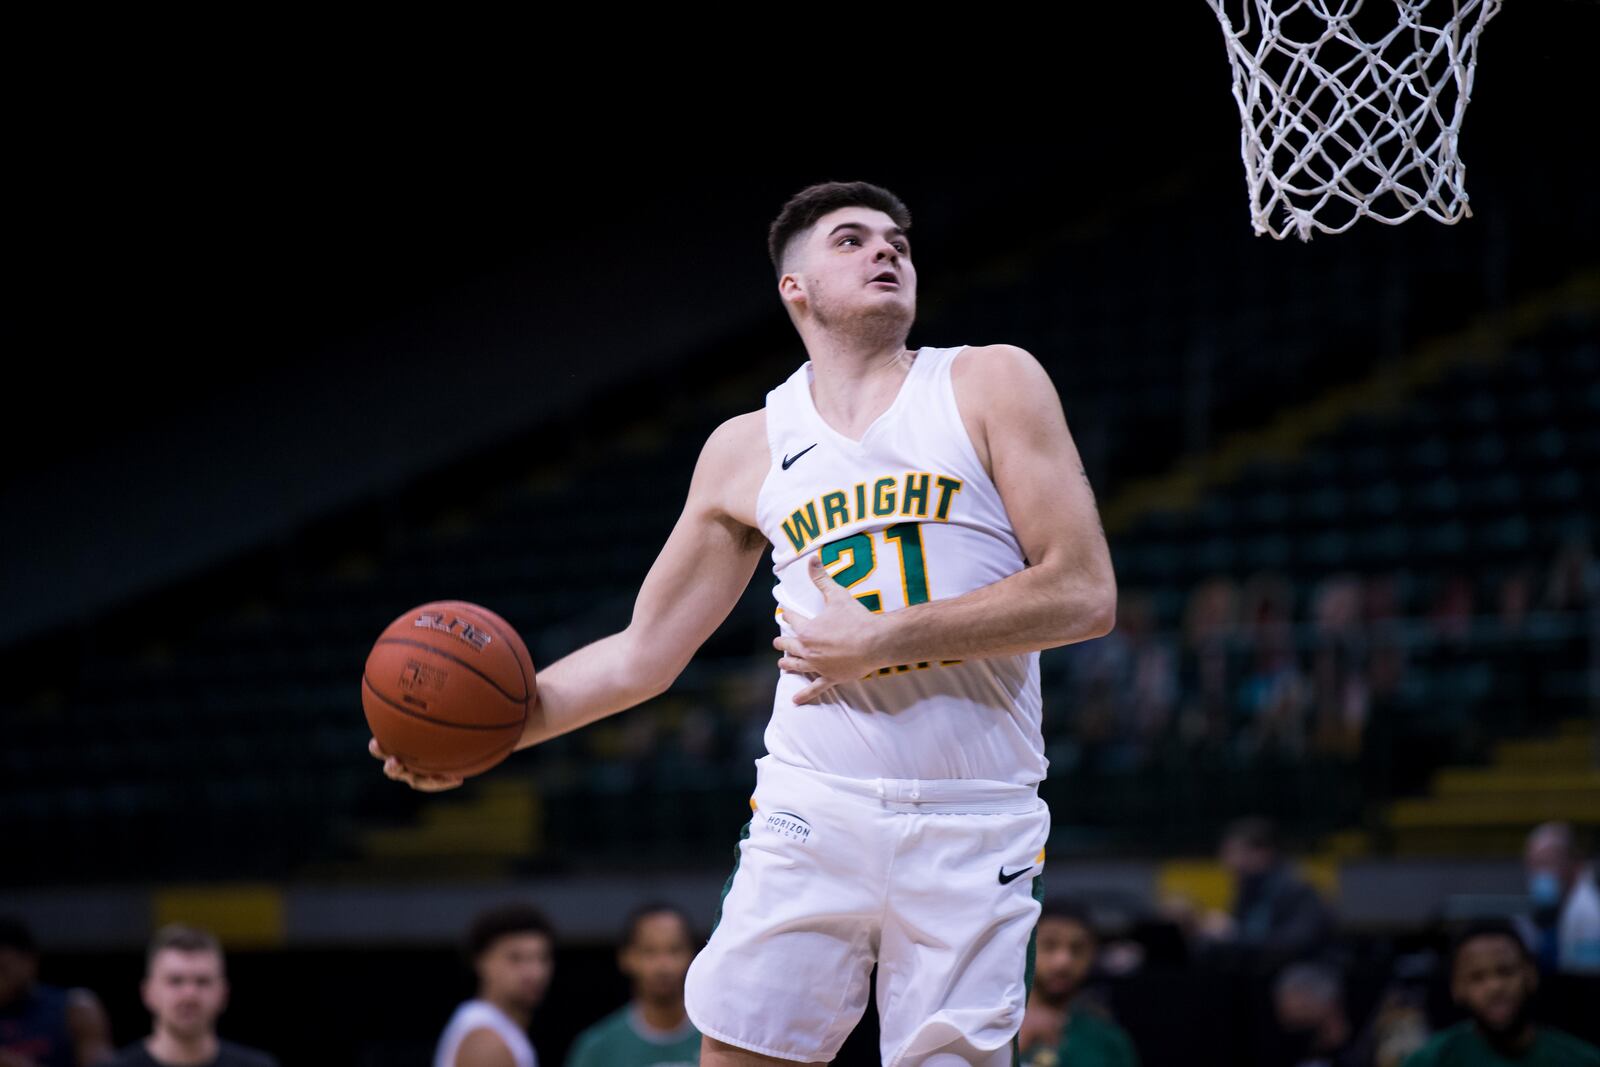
x=452, y=657
x=396, y=705
x=504, y=630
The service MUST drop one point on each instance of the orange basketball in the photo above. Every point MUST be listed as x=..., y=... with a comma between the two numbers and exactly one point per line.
x=447, y=688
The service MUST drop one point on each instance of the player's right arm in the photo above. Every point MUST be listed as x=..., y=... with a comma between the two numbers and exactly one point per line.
x=694, y=583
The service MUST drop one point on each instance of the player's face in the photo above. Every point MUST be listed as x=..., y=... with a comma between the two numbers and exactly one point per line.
x=659, y=957
x=1063, y=957
x=1492, y=980
x=516, y=969
x=846, y=261
x=185, y=991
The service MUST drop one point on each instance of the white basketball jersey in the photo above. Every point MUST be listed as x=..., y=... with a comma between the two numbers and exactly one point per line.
x=476, y=1014
x=905, y=515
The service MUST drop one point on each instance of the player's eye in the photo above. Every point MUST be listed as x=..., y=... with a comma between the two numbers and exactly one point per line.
x=847, y=237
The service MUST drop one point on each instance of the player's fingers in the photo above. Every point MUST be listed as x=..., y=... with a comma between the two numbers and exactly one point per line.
x=376, y=749
x=794, y=664
x=810, y=693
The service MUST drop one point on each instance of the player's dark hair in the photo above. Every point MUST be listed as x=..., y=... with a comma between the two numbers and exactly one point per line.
x=636, y=918
x=14, y=933
x=1069, y=910
x=1254, y=831
x=181, y=938
x=811, y=203
x=490, y=926
x=1487, y=928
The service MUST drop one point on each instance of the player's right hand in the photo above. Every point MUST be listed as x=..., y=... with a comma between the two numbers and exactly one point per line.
x=418, y=780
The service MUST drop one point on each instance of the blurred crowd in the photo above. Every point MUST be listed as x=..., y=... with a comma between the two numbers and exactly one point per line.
x=1475, y=1002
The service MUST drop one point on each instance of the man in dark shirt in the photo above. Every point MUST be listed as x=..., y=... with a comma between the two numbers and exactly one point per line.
x=1492, y=976
x=1277, y=918
x=185, y=989
x=41, y=1025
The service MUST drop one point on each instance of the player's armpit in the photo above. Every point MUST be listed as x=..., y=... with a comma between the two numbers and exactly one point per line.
x=484, y=1048
x=696, y=580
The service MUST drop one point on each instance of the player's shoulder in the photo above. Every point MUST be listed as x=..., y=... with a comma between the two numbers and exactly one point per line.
x=999, y=371
x=735, y=458
x=1573, y=1050
x=483, y=1046
x=741, y=431
x=1433, y=1053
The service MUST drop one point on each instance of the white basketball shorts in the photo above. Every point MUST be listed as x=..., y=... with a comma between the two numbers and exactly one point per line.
x=936, y=882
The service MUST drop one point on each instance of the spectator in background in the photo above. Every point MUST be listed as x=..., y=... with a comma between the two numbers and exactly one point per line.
x=1275, y=692
x=41, y=1025
x=1493, y=978
x=1574, y=582
x=1208, y=666
x=1340, y=693
x=1277, y=918
x=653, y=1029
x=1061, y=1028
x=1565, y=900
x=185, y=988
x=513, y=952
x=1308, y=1005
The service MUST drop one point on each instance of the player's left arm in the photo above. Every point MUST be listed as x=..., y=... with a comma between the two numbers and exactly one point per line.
x=89, y=1027
x=1065, y=593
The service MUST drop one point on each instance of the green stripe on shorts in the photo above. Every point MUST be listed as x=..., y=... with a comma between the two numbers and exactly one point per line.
x=728, y=886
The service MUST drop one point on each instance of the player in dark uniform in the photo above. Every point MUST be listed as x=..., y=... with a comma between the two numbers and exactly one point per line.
x=42, y=1025
x=653, y=1029
x=1061, y=1029
x=185, y=988
x=1492, y=976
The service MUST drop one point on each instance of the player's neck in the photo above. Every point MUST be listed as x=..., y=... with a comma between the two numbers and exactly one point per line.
x=662, y=1016
x=517, y=1013
x=175, y=1050
x=853, y=383
x=1061, y=1005
x=1512, y=1043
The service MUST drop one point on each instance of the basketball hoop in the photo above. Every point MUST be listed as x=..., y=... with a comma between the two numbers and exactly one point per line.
x=1349, y=116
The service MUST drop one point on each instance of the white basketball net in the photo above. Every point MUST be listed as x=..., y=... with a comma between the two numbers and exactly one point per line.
x=1338, y=127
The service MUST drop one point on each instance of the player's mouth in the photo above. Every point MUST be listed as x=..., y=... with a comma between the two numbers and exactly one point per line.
x=886, y=278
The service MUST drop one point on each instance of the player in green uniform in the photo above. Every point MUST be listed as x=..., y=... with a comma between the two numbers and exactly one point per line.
x=1060, y=1028
x=651, y=1030
x=1492, y=975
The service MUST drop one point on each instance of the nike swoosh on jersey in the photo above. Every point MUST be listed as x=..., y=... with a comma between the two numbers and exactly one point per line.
x=1007, y=879
x=788, y=461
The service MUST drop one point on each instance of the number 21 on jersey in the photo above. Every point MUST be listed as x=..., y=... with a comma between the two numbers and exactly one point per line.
x=860, y=556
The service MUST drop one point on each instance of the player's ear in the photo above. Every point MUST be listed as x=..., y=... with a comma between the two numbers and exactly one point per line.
x=792, y=289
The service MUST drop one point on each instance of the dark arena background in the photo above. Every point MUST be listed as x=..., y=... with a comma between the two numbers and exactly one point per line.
x=283, y=364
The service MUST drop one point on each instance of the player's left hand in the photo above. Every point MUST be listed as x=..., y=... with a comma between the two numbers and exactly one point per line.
x=835, y=646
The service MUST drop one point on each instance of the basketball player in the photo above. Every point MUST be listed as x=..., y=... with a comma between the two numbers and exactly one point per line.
x=186, y=988
x=1493, y=976
x=513, y=954
x=652, y=1030
x=931, y=531
x=43, y=1025
x=1060, y=1028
